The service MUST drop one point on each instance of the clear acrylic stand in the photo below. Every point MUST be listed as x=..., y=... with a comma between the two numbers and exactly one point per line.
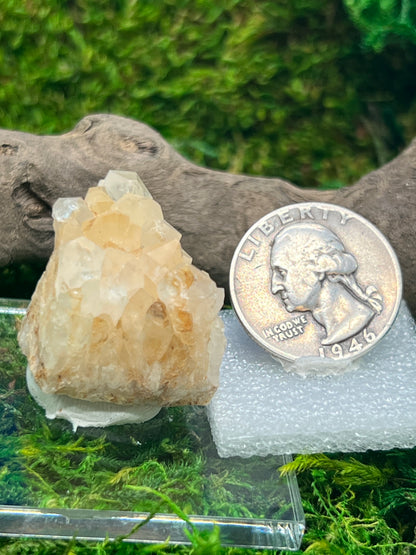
x=277, y=520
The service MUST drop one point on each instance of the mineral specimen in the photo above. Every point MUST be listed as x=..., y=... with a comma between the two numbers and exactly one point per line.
x=121, y=315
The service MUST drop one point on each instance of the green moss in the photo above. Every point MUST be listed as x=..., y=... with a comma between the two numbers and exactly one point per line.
x=281, y=89
x=359, y=505
x=381, y=23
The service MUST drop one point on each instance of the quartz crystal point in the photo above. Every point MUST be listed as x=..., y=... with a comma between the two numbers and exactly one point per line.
x=120, y=314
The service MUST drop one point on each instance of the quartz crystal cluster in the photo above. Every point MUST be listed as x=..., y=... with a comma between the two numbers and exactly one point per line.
x=120, y=314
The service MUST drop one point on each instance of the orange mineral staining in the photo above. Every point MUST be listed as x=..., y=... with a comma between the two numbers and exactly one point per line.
x=120, y=313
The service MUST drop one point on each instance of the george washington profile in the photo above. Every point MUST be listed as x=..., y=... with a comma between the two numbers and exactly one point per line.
x=311, y=271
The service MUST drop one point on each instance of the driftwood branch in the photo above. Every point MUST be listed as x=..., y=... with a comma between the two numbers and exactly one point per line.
x=211, y=209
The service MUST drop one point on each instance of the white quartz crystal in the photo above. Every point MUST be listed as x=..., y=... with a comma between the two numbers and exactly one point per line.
x=118, y=183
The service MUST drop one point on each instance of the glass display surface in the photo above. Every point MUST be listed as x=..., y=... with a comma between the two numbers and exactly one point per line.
x=136, y=481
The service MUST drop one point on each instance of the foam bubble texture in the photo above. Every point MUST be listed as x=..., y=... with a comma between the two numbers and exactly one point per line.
x=260, y=409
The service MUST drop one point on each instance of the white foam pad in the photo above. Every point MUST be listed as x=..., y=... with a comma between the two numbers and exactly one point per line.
x=261, y=409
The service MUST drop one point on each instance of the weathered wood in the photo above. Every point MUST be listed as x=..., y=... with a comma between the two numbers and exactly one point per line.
x=212, y=209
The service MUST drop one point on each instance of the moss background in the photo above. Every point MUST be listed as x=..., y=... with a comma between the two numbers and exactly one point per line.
x=317, y=92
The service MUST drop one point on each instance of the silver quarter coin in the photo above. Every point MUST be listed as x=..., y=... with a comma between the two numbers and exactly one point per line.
x=315, y=279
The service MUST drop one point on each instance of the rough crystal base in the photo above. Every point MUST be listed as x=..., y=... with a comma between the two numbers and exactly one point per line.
x=81, y=413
